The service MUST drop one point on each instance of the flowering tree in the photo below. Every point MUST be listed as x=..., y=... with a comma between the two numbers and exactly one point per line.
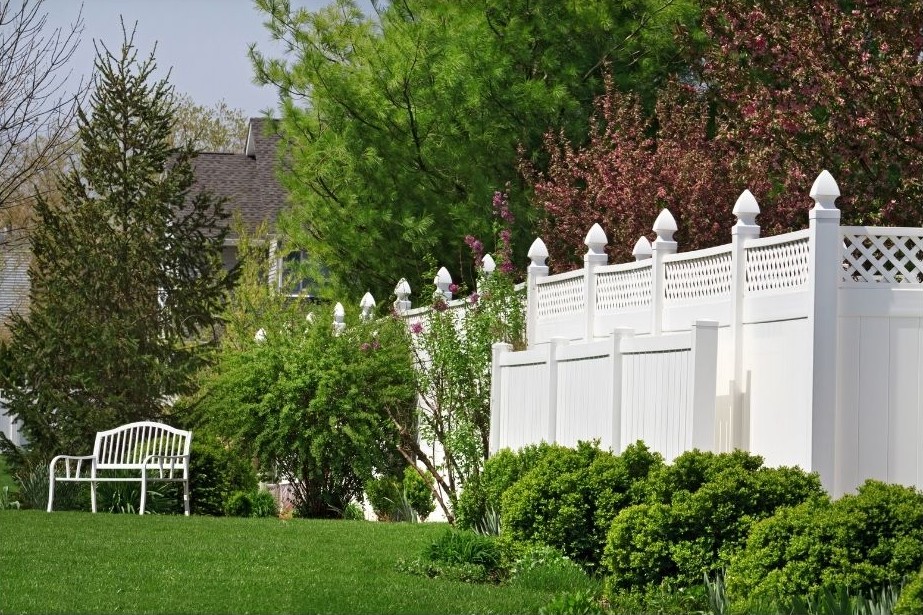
x=784, y=90
x=452, y=344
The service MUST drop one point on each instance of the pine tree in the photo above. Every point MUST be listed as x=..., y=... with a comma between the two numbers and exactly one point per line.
x=126, y=275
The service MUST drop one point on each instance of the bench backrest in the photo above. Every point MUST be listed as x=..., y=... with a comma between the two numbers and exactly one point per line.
x=127, y=446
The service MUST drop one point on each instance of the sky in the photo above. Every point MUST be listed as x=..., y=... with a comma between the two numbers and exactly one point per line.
x=204, y=42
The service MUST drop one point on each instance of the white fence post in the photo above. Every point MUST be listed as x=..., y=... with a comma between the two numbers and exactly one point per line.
x=825, y=267
x=537, y=269
x=339, y=318
x=705, y=365
x=595, y=241
x=664, y=226
x=496, y=410
x=746, y=209
x=366, y=305
x=443, y=282
x=618, y=334
x=554, y=346
x=642, y=250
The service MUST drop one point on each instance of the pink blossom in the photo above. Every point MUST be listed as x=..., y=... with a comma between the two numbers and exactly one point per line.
x=453, y=288
x=416, y=328
x=473, y=298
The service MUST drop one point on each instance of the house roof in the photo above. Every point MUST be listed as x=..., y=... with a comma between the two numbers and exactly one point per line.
x=248, y=180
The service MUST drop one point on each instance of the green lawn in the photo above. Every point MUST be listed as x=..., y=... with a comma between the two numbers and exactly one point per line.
x=68, y=562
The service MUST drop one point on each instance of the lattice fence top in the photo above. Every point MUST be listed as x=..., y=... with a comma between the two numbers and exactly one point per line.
x=624, y=288
x=778, y=266
x=699, y=277
x=560, y=296
x=882, y=255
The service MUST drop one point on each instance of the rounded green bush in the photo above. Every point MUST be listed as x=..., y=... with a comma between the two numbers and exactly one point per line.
x=240, y=504
x=910, y=601
x=264, y=504
x=569, y=498
x=863, y=541
x=483, y=495
x=697, y=516
x=215, y=474
x=419, y=492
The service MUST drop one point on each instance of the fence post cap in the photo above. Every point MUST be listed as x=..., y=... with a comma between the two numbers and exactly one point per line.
x=488, y=264
x=665, y=225
x=746, y=208
x=825, y=190
x=538, y=252
x=443, y=277
x=402, y=290
x=642, y=249
x=596, y=239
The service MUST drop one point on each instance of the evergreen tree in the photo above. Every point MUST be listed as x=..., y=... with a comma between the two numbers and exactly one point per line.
x=126, y=274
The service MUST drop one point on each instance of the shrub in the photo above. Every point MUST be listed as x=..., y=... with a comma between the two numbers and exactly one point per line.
x=481, y=499
x=385, y=494
x=568, y=499
x=910, y=601
x=864, y=542
x=419, y=492
x=256, y=503
x=572, y=603
x=353, y=512
x=698, y=515
x=465, y=547
x=216, y=472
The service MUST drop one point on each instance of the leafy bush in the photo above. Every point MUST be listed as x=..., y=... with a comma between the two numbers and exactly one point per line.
x=572, y=603
x=216, y=472
x=910, y=601
x=864, y=542
x=419, y=492
x=466, y=547
x=698, y=515
x=569, y=498
x=353, y=512
x=257, y=503
x=481, y=500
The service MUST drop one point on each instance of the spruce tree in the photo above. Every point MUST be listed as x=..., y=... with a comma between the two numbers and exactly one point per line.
x=126, y=275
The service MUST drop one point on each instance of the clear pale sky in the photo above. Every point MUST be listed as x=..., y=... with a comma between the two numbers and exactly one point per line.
x=203, y=41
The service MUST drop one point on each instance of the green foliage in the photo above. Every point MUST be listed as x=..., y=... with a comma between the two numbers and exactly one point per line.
x=386, y=495
x=863, y=541
x=698, y=515
x=310, y=404
x=452, y=345
x=543, y=567
x=482, y=498
x=417, y=114
x=126, y=272
x=256, y=503
x=419, y=492
x=8, y=499
x=353, y=512
x=664, y=599
x=910, y=601
x=216, y=472
x=569, y=498
x=468, y=549
x=572, y=603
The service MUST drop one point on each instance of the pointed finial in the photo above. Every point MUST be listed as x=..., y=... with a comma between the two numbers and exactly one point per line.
x=596, y=240
x=402, y=291
x=746, y=209
x=665, y=225
x=443, y=281
x=488, y=264
x=642, y=250
x=339, y=318
x=825, y=191
x=367, y=304
x=260, y=336
x=538, y=253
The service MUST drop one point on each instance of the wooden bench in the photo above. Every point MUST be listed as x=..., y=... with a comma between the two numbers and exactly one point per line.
x=158, y=451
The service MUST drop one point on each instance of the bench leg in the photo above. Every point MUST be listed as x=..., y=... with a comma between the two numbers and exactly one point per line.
x=143, y=490
x=93, y=495
x=50, y=489
x=186, y=495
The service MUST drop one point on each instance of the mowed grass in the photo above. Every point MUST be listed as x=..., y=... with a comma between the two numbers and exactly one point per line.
x=69, y=562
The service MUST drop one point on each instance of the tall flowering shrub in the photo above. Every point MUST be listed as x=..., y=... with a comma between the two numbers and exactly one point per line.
x=452, y=344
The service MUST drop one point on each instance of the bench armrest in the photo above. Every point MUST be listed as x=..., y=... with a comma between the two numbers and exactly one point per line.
x=158, y=462
x=67, y=459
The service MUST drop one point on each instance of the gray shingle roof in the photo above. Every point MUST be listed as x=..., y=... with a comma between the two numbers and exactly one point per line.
x=248, y=179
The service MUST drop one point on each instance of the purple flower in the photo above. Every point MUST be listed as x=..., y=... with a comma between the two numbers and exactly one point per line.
x=507, y=267
x=416, y=328
x=473, y=298
x=453, y=288
x=376, y=344
x=440, y=305
x=364, y=347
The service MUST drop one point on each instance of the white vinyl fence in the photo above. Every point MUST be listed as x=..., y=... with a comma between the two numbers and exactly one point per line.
x=805, y=348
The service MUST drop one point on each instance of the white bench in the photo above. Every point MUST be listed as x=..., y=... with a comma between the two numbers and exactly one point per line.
x=159, y=451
